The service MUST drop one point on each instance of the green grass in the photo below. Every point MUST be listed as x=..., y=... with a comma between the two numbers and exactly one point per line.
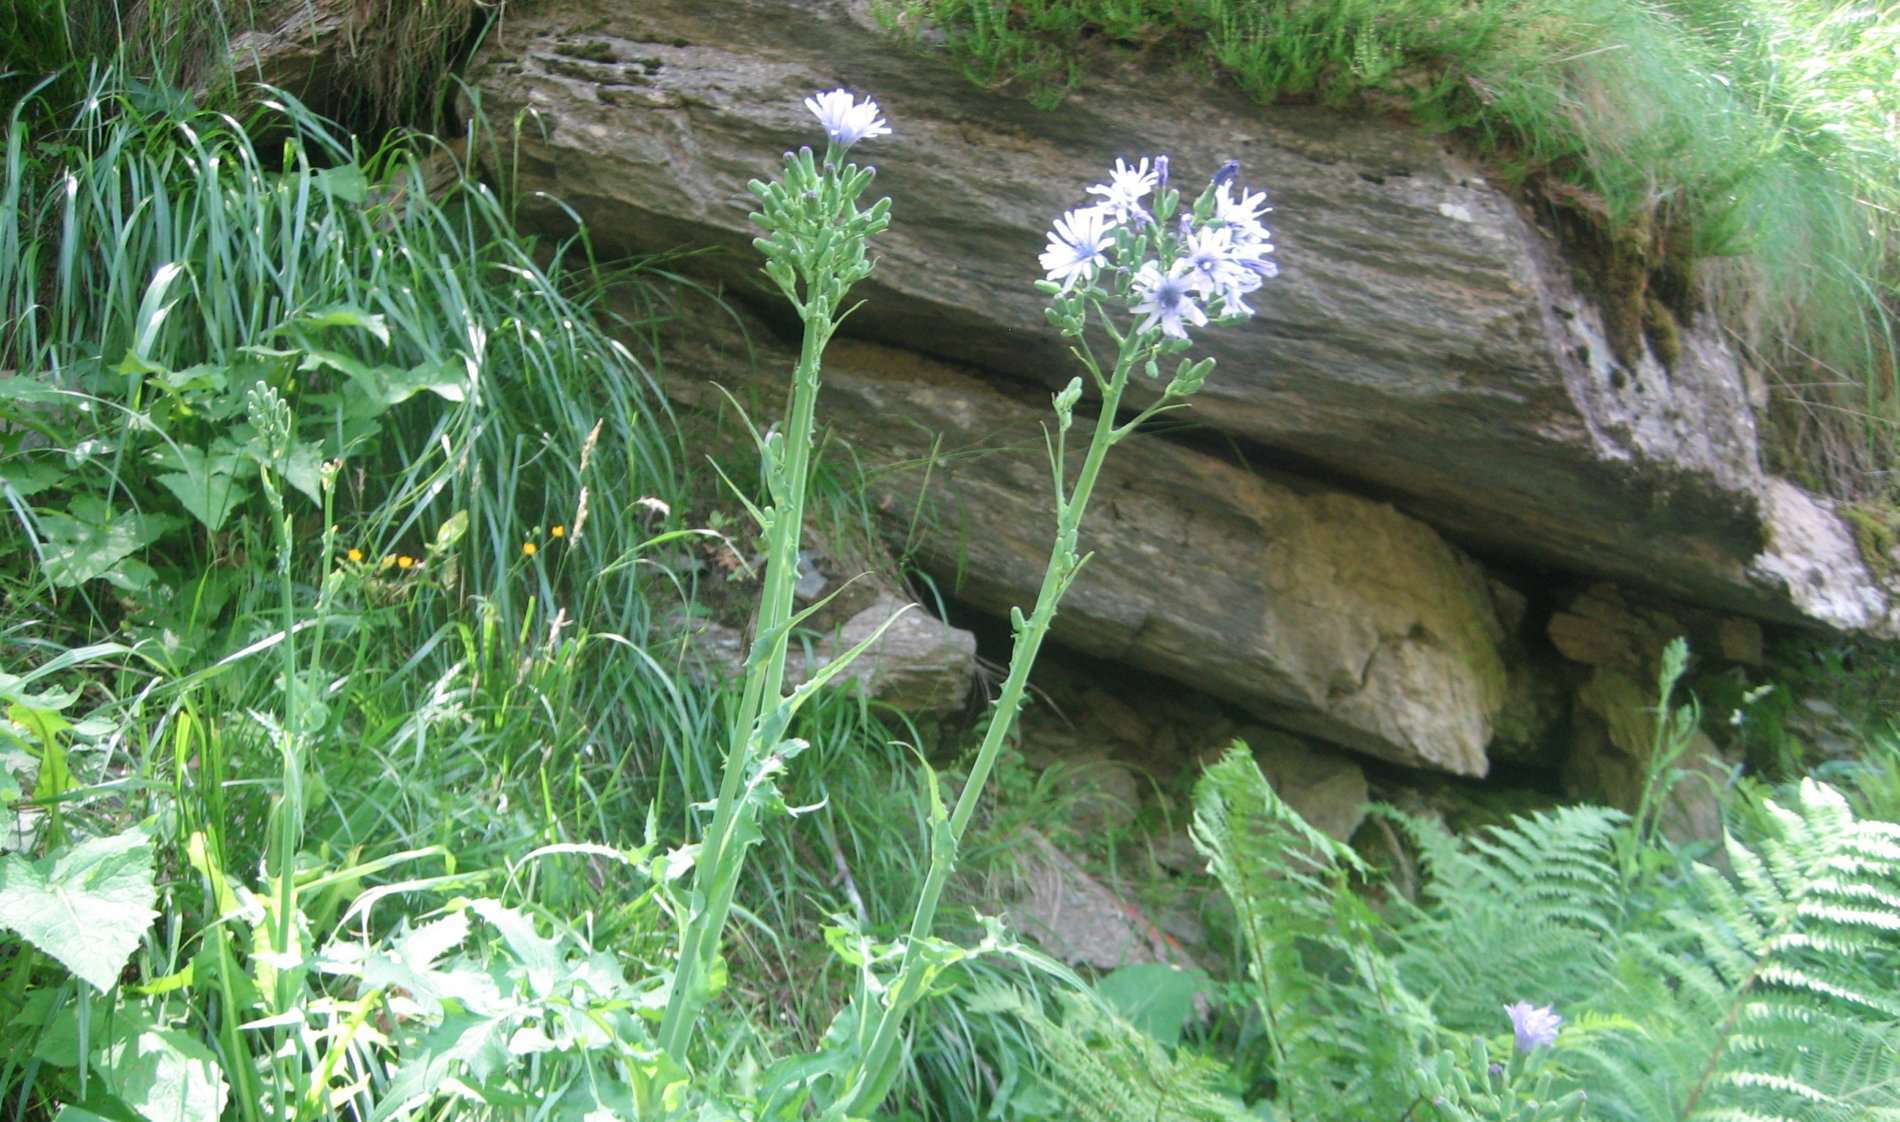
x=474, y=705
x=1739, y=148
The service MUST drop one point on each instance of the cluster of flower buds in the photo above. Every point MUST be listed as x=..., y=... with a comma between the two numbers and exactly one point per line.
x=1175, y=278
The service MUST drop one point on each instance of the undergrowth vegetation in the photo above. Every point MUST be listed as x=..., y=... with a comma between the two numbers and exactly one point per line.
x=354, y=766
x=1727, y=156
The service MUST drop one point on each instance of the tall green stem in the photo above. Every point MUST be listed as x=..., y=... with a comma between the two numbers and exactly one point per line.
x=877, y=1070
x=716, y=874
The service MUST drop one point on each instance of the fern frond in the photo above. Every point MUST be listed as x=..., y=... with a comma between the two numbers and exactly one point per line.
x=1107, y=1070
x=1349, y=1039
x=1526, y=910
x=1779, y=978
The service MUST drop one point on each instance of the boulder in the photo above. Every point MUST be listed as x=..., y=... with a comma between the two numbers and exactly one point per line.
x=920, y=664
x=1080, y=920
x=1322, y=612
x=1614, y=730
x=1327, y=789
x=1426, y=340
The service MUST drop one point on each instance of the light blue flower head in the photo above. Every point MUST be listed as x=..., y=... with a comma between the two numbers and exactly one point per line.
x=846, y=119
x=1535, y=1025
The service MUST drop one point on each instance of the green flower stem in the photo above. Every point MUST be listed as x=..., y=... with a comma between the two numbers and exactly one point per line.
x=717, y=871
x=876, y=1072
x=816, y=237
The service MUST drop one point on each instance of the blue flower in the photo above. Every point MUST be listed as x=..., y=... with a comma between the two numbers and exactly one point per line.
x=1168, y=299
x=1220, y=266
x=846, y=119
x=1241, y=215
x=1126, y=187
x=1535, y=1025
x=1078, y=246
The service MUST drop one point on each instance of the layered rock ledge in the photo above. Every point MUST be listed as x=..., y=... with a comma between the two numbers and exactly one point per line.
x=1425, y=343
x=1322, y=611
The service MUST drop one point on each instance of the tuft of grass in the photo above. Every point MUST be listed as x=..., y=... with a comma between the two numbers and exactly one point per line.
x=1733, y=156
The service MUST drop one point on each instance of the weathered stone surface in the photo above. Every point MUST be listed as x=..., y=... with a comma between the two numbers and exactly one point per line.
x=297, y=45
x=1079, y=919
x=1325, y=613
x=1327, y=789
x=1615, y=730
x=1424, y=339
x=1614, y=719
x=920, y=664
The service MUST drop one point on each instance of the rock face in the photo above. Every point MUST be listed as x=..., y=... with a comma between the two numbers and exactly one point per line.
x=1425, y=340
x=1615, y=733
x=1425, y=371
x=919, y=664
x=1324, y=612
x=1079, y=919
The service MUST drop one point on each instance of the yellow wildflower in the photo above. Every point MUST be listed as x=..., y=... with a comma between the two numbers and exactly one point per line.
x=558, y=532
x=528, y=549
x=355, y=556
x=405, y=562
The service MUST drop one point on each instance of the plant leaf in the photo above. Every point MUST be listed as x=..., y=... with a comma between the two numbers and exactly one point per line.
x=89, y=539
x=206, y=485
x=85, y=907
x=347, y=315
x=166, y=1076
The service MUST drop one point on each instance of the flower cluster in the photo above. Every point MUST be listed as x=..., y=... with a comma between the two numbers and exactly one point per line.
x=1220, y=253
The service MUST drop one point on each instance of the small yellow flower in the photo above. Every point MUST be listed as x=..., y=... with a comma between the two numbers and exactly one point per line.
x=405, y=562
x=528, y=549
x=558, y=532
x=355, y=556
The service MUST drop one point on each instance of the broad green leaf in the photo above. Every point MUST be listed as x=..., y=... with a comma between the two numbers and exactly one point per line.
x=89, y=539
x=434, y=1064
x=1154, y=997
x=130, y=575
x=202, y=377
x=347, y=315
x=30, y=477
x=164, y=1075
x=13, y=691
x=452, y=530
x=346, y=183
x=30, y=390
x=540, y=955
x=303, y=469
x=409, y=962
x=446, y=380
x=206, y=485
x=85, y=907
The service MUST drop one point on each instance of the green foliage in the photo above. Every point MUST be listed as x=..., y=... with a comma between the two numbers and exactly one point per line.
x=1347, y=1039
x=1526, y=911
x=1104, y=1069
x=85, y=906
x=1768, y=991
x=1747, y=143
x=1761, y=992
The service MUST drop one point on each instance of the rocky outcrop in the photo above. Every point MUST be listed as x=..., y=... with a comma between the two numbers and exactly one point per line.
x=1616, y=731
x=920, y=664
x=1324, y=612
x=1426, y=380
x=1077, y=918
x=1425, y=341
